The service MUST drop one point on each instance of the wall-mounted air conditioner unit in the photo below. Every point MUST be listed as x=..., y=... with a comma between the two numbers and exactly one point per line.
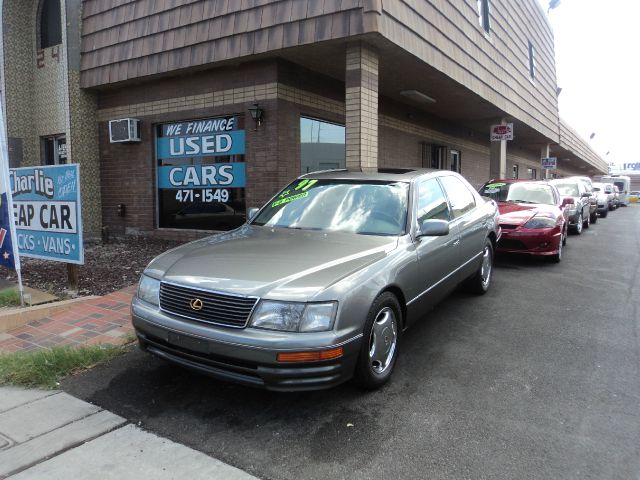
x=124, y=130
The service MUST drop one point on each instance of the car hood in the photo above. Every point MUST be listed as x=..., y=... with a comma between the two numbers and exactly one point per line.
x=277, y=263
x=520, y=213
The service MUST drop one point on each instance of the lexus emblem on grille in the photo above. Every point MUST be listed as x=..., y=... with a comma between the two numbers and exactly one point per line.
x=196, y=304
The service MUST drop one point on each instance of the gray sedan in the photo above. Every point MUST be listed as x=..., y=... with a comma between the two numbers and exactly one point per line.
x=319, y=285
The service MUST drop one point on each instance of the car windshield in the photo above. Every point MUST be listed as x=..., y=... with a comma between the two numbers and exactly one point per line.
x=498, y=191
x=568, y=189
x=530, y=193
x=620, y=185
x=362, y=207
x=518, y=192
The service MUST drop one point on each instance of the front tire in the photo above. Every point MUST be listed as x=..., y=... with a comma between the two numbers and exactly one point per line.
x=379, y=349
x=594, y=217
x=480, y=282
x=557, y=258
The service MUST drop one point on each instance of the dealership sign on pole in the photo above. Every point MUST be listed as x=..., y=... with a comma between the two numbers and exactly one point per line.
x=47, y=212
x=549, y=162
x=501, y=132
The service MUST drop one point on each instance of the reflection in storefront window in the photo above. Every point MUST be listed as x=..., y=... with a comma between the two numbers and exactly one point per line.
x=322, y=145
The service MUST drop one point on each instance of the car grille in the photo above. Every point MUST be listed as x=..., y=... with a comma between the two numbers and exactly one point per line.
x=216, y=308
x=509, y=244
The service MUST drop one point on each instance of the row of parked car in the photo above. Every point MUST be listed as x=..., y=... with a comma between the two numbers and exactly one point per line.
x=320, y=284
x=537, y=216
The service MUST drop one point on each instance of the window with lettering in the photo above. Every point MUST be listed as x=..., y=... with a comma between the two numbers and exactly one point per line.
x=201, y=173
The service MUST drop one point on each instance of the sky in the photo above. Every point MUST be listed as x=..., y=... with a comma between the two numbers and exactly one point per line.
x=598, y=68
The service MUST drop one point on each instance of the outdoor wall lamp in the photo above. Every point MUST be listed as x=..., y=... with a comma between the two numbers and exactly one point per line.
x=257, y=113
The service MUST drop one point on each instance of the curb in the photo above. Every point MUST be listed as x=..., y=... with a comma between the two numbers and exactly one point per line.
x=17, y=317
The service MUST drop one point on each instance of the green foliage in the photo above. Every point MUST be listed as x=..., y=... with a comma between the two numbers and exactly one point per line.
x=9, y=297
x=46, y=368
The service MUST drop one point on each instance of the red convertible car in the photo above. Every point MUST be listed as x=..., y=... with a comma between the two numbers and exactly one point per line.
x=532, y=217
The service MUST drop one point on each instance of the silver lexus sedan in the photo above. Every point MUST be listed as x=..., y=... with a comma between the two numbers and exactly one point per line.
x=319, y=285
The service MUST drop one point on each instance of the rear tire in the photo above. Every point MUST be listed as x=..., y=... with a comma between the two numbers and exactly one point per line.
x=578, y=227
x=381, y=338
x=565, y=236
x=587, y=221
x=605, y=213
x=594, y=217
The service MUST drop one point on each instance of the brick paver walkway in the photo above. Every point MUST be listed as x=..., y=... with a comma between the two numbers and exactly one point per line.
x=98, y=320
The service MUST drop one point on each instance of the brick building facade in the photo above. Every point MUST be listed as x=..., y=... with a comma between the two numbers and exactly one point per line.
x=405, y=83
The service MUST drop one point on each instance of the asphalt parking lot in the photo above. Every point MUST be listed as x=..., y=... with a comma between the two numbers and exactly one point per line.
x=540, y=378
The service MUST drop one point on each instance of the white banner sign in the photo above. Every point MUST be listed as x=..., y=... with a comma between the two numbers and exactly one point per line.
x=501, y=132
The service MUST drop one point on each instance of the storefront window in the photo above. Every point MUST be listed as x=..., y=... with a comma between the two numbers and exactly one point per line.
x=322, y=145
x=201, y=173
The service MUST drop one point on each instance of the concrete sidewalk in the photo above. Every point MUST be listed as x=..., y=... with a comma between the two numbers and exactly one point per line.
x=50, y=434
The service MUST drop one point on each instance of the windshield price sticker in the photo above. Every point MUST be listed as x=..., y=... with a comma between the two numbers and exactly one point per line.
x=292, y=198
x=46, y=209
x=287, y=197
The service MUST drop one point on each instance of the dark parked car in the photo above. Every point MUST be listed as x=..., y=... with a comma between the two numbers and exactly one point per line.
x=532, y=217
x=319, y=285
x=580, y=211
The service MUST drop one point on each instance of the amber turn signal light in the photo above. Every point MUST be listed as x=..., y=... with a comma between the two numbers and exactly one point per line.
x=310, y=356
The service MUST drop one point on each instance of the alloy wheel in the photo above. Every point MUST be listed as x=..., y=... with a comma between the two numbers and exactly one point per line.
x=487, y=266
x=383, y=340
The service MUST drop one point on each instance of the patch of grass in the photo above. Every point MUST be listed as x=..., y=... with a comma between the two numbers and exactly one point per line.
x=46, y=368
x=9, y=297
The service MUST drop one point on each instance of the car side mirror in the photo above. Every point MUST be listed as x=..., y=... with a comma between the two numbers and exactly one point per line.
x=252, y=212
x=567, y=201
x=433, y=228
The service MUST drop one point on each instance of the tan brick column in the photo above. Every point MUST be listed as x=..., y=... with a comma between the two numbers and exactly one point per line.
x=361, y=85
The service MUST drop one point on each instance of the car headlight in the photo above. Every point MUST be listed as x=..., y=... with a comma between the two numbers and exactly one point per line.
x=539, y=221
x=149, y=290
x=294, y=317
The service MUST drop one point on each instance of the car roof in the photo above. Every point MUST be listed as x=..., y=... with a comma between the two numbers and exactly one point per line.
x=382, y=174
x=517, y=180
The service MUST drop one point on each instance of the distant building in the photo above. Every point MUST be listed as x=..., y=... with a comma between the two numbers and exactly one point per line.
x=356, y=84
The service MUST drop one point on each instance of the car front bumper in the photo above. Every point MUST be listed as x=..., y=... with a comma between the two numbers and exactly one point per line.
x=246, y=356
x=543, y=241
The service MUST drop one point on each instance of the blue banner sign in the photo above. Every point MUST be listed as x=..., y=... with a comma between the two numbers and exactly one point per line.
x=46, y=210
x=208, y=145
x=217, y=175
